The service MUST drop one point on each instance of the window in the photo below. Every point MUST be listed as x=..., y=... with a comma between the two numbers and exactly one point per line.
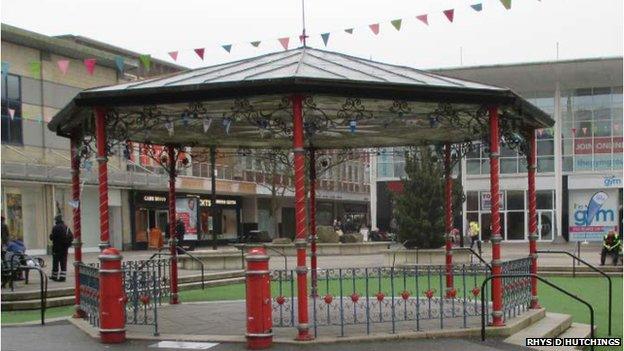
x=11, y=109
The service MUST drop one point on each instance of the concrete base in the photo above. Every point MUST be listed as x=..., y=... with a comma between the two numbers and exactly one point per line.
x=213, y=260
x=426, y=256
x=339, y=249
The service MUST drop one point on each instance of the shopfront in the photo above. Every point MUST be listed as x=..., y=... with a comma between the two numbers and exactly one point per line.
x=150, y=211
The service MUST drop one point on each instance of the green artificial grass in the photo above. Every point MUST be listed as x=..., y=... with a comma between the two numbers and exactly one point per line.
x=35, y=315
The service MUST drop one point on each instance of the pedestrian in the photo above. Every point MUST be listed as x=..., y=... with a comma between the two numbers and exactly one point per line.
x=62, y=238
x=180, y=230
x=611, y=245
x=5, y=236
x=473, y=231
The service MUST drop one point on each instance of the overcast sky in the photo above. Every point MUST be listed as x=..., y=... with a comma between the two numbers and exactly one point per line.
x=527, y=32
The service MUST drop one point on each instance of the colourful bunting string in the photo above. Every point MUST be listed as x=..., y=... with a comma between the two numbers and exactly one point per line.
x=396, y=24
x=374, y=28
x=506, y=3
x=477, y=7
x=174, y=55
x=349, y=30
x=284, y=42
x=11, y=113
x=423, y=19
x=63, y=65
x=255, y=43
x=120, y=63
x=227, y=47
x=146, y=61
x=200, y=53
x=5, y=69
x=325, y=37
x=35, y=69
x=449, y=14
x=90, y=65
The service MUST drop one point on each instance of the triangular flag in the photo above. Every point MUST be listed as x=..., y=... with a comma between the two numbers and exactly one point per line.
x=325, y=37
x=423, y=19
x=90, y=65
x=227, y=47
x=207, y=123
x=63, y=65
x=11, y=113
x=449, y=14
x=477, y=7
x=200, y=53
x=302, y=38
x=169, y=127
x=146, y=60
x=5, y=69
x=120, y=63
x=284, y=42
x=573, y=130
x=540, y=132
x=349, y=30
x=397, y=23
x=174, y=55
x=255, y=43
x=35, y=69
x=374, y=27
x=74, y=203
x=506, y=3
x=584, y=129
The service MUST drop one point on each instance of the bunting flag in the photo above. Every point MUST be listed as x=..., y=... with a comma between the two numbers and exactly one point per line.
x=349, y=30
x=396, y=23
x=120, y=63
x=90, y=65
x=325, y=37
x=200, y=53
x=207, y=122
x=35, y=69
x=584, y=129
x=174, y=55
x=374, y=28
x=63, y=65
x=284, y=42
x=227, y=47
x=477, y=7
x=423, y=19
x=146, y=60
x=169, y=127
x=506, y=3
x=540, y=132
x=5, y=69
x=255, y=43
x=449, y=14
x=574, y=131
x=11, y=113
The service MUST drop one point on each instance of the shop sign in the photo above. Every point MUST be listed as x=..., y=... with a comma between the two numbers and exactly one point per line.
x=206, y=202
x=598, y=145
x=486, y=201
x=154, y=198
x=187, y=210
x=592, y=214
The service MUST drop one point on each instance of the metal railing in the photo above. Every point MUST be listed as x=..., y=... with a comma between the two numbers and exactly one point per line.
x=89, y=276
x=196, y=260
x=592, y=267
x=528, y=276
x=476, y=254
x=517, y=290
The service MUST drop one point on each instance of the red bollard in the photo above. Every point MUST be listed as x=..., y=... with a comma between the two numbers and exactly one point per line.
x=112, y=309
x=259, y=321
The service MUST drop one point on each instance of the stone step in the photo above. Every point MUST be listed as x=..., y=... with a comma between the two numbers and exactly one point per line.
x=576, y=330
x=578, y=274
x=550, y=326
x=32, y=304
x=579, y=268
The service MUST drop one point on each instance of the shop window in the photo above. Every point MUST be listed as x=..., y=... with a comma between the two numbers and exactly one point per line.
x=11, y=105
x=544, y=199
x=515, y=228
x=472, y=201
x=515, y=200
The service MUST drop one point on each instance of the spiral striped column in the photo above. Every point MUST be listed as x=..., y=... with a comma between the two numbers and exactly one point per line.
x=448, y=220
x=75, y=187
x=313, y=258
x=532, y=168
x=173, y=282
x=300, y=220
x=102, y=159
x=497, y=288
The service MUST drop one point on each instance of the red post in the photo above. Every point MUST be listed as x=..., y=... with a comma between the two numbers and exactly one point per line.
x=300, y=219
x=75, y=172
x=448, y=220
x=102, y=158
x=258, y=299
x=497, y=289
x=532, y=166
x=112, y=314
x=313, y=258
x=173, y=299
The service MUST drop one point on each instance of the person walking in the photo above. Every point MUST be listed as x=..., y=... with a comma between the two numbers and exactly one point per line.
x=473, y=231
x=5, y=236
x=611, y=245
x=62, y=238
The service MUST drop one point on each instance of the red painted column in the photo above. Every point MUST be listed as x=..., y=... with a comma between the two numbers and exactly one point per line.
x=448, y=220
x=102, y=158
x=497, y=289
x=112, y=307
x=173, y=299
x=258, y=300
x=75, y=187
x=313, y=258
x=300, y=219
x=532, y=167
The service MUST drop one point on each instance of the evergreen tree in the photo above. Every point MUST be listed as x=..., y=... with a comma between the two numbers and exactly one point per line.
x=420, y=207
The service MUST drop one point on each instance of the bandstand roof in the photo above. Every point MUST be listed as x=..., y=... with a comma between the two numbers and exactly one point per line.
x=347, y=102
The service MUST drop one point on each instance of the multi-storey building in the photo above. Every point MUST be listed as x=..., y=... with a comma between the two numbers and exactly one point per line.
x=40, y=74
x=576, y=159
